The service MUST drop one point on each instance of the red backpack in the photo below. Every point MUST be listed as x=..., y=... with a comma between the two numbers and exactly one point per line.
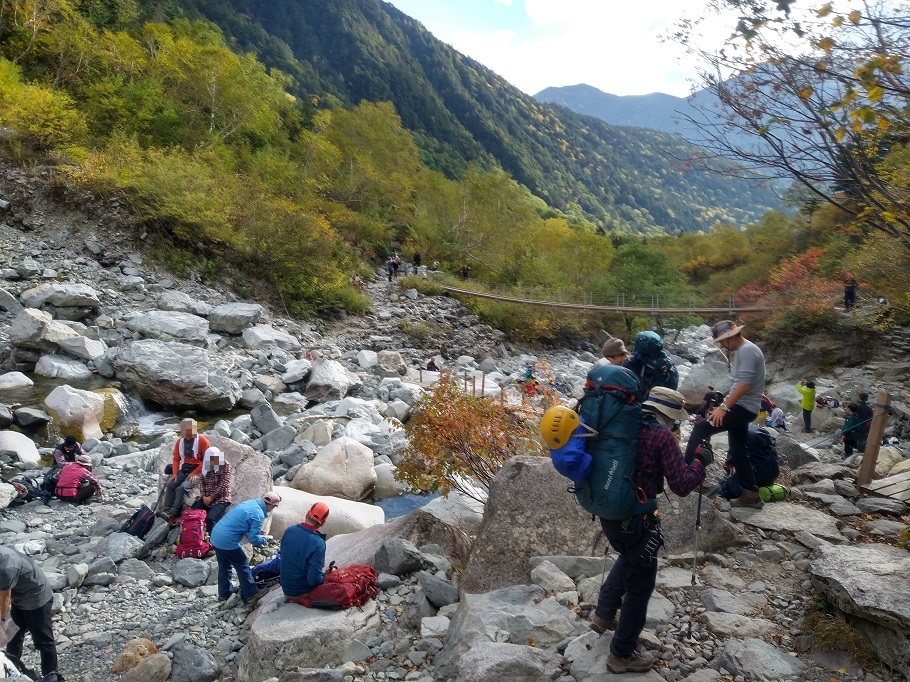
x=192, y=541
x=343, y=588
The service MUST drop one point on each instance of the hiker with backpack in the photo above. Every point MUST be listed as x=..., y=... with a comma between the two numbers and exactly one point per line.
x=214, y=487
x=303, y=554
x=710, y=400
x=76, y=483
x=614, y=350
x=26, y=597
x=851, y=432
x=807, y=391
x=737, y=410
x=185, y=469
x=66, y=452
x=651, y=364
x=244, y=520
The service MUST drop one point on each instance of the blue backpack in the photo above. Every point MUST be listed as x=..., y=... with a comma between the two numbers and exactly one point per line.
x=611, y=406
x=651, y=364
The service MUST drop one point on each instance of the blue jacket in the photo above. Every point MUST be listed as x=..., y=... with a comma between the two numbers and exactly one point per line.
x=244, y=519
x=302, y=559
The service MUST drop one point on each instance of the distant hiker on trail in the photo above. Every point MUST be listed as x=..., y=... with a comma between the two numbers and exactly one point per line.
x=303, y=554
x=67, y=451
x=850, y=288
x=737, y=410
x=851, y=429
x=435, y=266
x=465, y=271
x=396, y=264
x=417, y=260
x=807, y=390
x=77, y=483
x=637, y=539
x=185, y=469
x=615, y=351
x=390, y=268
x=214, y=487
x=651, y=364
x=710, y=400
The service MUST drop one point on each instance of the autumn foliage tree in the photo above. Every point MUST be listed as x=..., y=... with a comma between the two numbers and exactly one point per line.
x=459, y=442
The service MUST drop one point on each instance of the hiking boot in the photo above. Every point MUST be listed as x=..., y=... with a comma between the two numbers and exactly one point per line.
x=252, y=601
x=633, y=663
x=749, y=498
x=601, y=625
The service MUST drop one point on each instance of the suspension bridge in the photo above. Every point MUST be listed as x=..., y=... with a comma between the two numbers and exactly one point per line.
x=660, y=304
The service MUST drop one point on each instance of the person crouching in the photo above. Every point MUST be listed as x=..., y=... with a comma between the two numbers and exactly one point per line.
x=77, y=483
x=303, y=554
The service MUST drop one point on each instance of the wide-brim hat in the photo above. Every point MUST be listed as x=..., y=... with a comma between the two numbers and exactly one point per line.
x=614, y=347
x=84, y=460
x=668, y=402
x=725, y=329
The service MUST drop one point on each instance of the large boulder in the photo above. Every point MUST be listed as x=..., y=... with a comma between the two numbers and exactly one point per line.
x=528, y=513
x=167, y=325
x=182, y=303
x=343, y=468
x=329, y=380
x=262, y=336
x=20, y=447
x=37, y=330
x=792, y=453
x=714, y=371
x=82, y=347
x=500, y=662
x=760, y=661
x=286, y=635
x=13, y=380
x=868, y=582
x=74, y=296
x=233, y=318
x=75, y=412
x=175, y=375
x=677, y=522
x=60, y=367
x=419, y=528
x=785, y=517
x=345, y=516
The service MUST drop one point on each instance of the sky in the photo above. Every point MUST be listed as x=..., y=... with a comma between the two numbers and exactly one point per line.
x=613, y=45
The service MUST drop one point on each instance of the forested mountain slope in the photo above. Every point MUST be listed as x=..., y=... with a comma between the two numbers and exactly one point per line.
x=461, y=112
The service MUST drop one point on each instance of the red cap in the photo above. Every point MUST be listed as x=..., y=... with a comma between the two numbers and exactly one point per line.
x=319, y=512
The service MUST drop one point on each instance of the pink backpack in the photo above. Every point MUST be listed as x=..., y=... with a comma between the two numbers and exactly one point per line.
x=192, y=541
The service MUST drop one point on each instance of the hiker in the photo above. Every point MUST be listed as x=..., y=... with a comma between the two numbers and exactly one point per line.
x=850, y=288
x=777, y=420
x=807, y=391
x=27, y=598
x=864, y=412
x=66, y=452
x=432, y=366
x=417, y=260
x=390, y=268
x=435, y=266
x=710, y=400
x=637, y=539
x=303, y=554
x=396, y=264
x=77, y=483
x=214, y=487
x=465, y=271
x=185, y=469
x=615, y=351
x=851, y=430
x=651, y=364
x=737, y=410
x=245, y=519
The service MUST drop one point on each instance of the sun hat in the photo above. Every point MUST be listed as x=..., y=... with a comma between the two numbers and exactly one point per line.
x=84, y=460
x=668, y=402
x=614, y=347
x=725, y=329
x=271, y=498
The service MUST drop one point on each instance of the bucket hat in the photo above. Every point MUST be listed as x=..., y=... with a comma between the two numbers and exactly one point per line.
x=668, y=402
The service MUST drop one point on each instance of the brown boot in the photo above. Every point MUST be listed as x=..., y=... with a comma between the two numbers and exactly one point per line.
x=633, y=663
x=601, y=625
x=749, y=498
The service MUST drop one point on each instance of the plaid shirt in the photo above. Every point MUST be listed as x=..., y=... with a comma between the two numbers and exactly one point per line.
x=658, y=457
x=217, y=485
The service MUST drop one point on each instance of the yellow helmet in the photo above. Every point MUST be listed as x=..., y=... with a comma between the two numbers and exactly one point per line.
x=557, y=426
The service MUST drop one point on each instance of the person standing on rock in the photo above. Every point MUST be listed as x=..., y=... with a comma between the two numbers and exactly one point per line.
x=185, y=469
x=631, y=580
x=246, y=519
x=807, y=391
x=850, y=287
x=864, y=414
x=737, y=410
x=303, y=554
x=214, y=487
x=76, y=483
x=27, y=598
x=615, y=351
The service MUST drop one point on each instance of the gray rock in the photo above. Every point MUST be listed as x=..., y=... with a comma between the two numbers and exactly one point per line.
x=193, y=664
x=793, y=453
x=438, y=592
x=573, y=566
x=233, y=318
x=356, y=651
x=76, y=574
x=135, y=569
x=31, y=417
x=677, y=525
x=37, y=330
x=329, y=380
x=265, y=419
x=721, y=600
x=154, y=668
x=103, y=565
x=60, y=367
x=497, y=662
x=726, y=625
x=82, y=347
x=881, y=505
x=791, y=518
x=279, y=439
x=588, y=657
x=167, y=325
x=311, y=675
x=13, y=380
x=29, y=267
x=121, y=546
x=759, y=660
x=398, y=557
x=550, y=578
x=296, y=371
x=19, y=446
x=190, y=572
x=182, y=303
x=816, y=471
x=391, y=364
x=263, y=336
x=9, y=303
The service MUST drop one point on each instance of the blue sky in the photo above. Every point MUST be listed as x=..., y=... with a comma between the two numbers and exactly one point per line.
x=614, y=46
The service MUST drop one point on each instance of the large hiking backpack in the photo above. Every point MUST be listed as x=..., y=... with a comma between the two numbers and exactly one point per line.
x=763, y=455
x=192, y=541
x=611, y=406
x=651, y=364
x=343, y=588
x=140, y=523
x=267, y=572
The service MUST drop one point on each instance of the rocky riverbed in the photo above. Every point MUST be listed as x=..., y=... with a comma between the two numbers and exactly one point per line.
x=316, y=409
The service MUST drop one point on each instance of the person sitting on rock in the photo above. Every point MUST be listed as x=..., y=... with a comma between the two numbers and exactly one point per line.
x=67, y=451
x=303, y=554
x=77, y=483
x=245, y=519
x=214, y=487
x=185, y=470
x=777, y=419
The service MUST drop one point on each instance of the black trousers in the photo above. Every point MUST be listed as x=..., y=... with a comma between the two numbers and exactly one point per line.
x=736, y=424
x=38, y=623
x=630, y=583
x=212, y=514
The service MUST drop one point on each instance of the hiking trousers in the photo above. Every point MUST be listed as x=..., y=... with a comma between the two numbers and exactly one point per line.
x=629, y=585
x=213, y=514
x=235, y=559
x=807, y=419
x=175, y=492
x=37, y=622
x=736, y=424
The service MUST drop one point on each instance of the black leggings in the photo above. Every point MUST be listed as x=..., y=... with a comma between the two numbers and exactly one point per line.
x=736, y=424
x=36, y=622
